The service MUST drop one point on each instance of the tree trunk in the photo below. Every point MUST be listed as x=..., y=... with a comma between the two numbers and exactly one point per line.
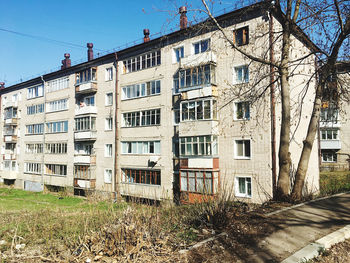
x=308, y=142
x=283, y=153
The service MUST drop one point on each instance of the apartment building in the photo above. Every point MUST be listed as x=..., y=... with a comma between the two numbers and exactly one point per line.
x=334, y=125
x=165, y=119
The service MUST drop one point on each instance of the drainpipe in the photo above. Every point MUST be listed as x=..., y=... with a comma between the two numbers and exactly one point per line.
x=318, y=129
x=272, y=106
x=116, y=140
x=44, y=124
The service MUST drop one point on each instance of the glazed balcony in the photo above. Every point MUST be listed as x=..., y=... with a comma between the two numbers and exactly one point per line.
x=86, y=87
x=85, y=135
x=85, y=159
x=10, y=138
x=330, y=144
x=198, y=59
x=80, y=110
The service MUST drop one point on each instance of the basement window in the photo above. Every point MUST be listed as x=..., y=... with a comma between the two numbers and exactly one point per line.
x=243, y=187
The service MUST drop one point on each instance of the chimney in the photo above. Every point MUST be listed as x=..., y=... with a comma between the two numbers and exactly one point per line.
x=146, y=37
x=66, y=63
x=2, y=85
x=183, y=17
x=90, y=52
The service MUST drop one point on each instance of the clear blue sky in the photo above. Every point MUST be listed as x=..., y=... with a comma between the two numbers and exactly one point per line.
x=108, y=24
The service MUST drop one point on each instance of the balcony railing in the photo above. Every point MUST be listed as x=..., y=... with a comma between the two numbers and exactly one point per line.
x=10, y=138
x=85, y=110
x=9, y=156
x=85, y=159
x=330, y=144
x=85, y=135
x=86, y=87
x=11, y=121
x=198, y=59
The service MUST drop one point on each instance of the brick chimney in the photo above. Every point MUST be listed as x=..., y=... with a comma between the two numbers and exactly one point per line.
x=183, y=17
x=146, y=37
x=2, y=85
x=90, y=52
x=66, y=63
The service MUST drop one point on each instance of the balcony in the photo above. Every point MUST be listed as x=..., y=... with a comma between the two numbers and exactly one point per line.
x=85, y=159
x=85, y=110
x=84, y=176
x=86, y=87
x=199, y=93
x=330, y=144
x=10, y=138
x=11, y=121
x=8, y=156
x=9, y=104
x=198, y=59
x=9, y=175
x=85, y=135
x=330, y=124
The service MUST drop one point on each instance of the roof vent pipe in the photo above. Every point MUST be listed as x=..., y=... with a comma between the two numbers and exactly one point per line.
x=2, y=85
x=183, y=17
x=66, y=63
x=90, y=52
x=146, y=37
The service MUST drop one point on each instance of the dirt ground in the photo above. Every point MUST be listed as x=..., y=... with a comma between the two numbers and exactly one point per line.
x=339, y=253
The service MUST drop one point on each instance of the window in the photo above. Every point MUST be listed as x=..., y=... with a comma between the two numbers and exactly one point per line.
x=242, y=149
x=194, y=78
x=109, y=99
x=34, y=92
x=329, y=156
x=34, y=168
x=85, y=123
x=10, y=130
x=35, y=128
x=178, y=53
x=144, y=61
x=134, y=176
x=109, y=124
x=329, y=114
x=108, y=150
x=243, y=186
x=199, y=146
x=35, y=109
x=84, y=148
x=141, y=118
x=34, y=148
x=149, y=147
x=108, y=176
x=57, y=105
x=201, y=46
x=57, y=84
x=56, y=148
x=57, y=126
x=241, y=36
x=330, y=134
x=10, y=165
x=82, y=172
x=198, y=110
x=141, y=90
x=56, y=169
x=205, y=182
x=241, y=75
x=242, y=110
x=86, y=75
x=10, y=113
x=109, y=73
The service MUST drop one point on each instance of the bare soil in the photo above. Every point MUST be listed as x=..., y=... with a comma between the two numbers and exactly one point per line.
x=339, y=253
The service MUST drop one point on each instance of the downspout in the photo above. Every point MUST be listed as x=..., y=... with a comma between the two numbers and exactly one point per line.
x=318, y=128
x=272, y=107
x=44, y=128
x=117, y=195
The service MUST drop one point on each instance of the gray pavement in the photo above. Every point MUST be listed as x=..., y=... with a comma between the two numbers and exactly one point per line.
x=300, y=226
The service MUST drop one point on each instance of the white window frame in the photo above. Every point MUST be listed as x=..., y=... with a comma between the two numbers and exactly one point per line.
x=181, y=55
x=109, y=74
x=109, y=124
x=333, y=132
x=334, y=160
x=108, y=150
x=109, y=102
x=238, y=193
x=238, y=157
x=235, y=75
x=235, y=111
x=200, y=46
x=108, y=174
